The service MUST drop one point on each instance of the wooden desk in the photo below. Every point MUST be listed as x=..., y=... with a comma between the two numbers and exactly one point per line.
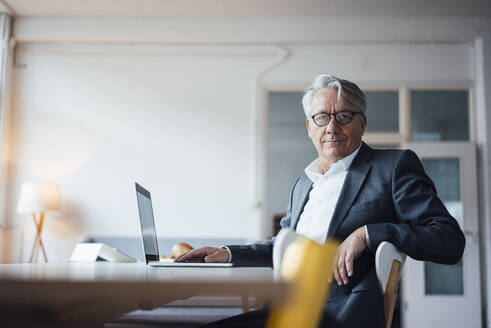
x=79, y=294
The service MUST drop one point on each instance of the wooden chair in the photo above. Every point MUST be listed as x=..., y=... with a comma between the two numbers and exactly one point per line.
x=308, y=266
x=388, y=264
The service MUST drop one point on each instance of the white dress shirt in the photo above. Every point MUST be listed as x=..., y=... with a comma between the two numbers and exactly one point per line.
x=317, y=213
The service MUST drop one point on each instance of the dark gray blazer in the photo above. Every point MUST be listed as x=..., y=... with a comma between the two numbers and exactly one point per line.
x=389, y=192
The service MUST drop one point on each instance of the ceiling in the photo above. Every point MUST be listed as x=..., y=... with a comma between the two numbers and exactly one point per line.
x=246, y=8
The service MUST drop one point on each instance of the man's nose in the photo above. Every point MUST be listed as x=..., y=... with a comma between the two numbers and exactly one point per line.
x=332, y=127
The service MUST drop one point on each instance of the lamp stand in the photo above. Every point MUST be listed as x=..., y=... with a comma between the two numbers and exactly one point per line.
x=38, y=242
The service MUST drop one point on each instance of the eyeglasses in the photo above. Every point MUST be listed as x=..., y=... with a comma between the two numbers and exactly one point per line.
x=343, y=117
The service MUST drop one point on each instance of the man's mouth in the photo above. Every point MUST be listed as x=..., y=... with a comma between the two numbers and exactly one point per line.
x=333, y=141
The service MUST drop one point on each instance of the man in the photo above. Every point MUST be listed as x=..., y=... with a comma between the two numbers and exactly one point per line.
x=361, y=197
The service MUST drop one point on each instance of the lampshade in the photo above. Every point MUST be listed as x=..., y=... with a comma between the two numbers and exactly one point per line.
x=38, y=197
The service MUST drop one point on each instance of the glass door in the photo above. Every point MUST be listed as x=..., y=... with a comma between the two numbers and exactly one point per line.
x=436, y=295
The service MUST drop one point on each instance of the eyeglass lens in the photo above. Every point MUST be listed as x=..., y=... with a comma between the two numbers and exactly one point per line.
x=323, y=119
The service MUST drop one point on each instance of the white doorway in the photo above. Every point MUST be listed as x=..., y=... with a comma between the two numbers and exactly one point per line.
x=436, y=295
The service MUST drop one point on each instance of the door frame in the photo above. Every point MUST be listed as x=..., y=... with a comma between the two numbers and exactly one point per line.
x=413, y=278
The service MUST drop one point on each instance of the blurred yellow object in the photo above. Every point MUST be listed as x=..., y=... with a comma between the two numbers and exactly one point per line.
x=179, y=249
x=308, y=266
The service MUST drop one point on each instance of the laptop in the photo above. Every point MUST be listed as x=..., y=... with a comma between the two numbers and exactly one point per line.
x=149, y=236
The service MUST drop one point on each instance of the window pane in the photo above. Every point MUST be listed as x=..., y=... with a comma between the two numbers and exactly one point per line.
x=442, y=279
x=382, y=111
x=445, y=173
x=439, y=115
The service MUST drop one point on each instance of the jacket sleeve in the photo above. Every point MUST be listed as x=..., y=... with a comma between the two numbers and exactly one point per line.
x=423, y=229
x=260, y=254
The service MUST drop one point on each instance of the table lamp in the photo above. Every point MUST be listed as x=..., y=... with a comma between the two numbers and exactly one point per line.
x=37, y=199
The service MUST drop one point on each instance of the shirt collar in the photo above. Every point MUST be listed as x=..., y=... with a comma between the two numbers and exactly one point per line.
x=314, y=173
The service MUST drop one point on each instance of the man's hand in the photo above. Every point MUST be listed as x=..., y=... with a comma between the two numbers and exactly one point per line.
x=205, y=254
x=349, y=249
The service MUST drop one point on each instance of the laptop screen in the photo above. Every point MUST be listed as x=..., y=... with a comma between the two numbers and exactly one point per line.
x=149, y=235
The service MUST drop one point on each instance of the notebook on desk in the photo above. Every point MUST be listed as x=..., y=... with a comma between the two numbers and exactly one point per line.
x=149, y=236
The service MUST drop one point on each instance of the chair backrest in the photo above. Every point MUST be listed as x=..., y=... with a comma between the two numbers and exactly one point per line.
x=281, y=241
x=307, y=265
x=388, y=264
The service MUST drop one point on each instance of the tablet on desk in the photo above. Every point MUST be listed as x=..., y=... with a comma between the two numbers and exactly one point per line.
x=149, y=236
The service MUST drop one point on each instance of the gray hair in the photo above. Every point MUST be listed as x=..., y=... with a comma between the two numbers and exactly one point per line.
x=344, y=88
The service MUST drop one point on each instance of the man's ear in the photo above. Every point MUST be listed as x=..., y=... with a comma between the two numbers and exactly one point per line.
x=307, y=123
x=363, y=124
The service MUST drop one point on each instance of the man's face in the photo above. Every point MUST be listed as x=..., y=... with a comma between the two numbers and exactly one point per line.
x=334, y=141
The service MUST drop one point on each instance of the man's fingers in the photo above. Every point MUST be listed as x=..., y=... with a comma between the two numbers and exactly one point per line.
x=342, y=270
x=185, y=256
x=336, y=275
x=193, y=255
x=335, y=271
x=219, y=256
x=349, y=264
x=349, y=249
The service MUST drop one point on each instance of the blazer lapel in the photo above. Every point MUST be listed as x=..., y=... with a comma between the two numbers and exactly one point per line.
x=300, y=198
x=352, y=184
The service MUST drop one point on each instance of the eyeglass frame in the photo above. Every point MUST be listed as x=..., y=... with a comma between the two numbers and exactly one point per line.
x=334, y=114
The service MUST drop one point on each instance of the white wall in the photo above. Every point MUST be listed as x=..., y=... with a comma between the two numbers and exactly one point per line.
x=378, y=64
x=178, y=120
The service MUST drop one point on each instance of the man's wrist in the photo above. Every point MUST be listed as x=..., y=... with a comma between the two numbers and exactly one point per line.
x=229, y=253
x=361, y=233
